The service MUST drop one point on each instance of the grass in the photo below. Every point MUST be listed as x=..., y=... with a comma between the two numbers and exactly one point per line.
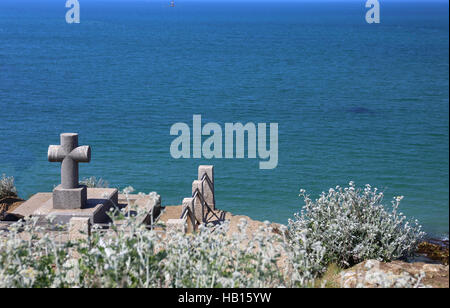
x=330, y=279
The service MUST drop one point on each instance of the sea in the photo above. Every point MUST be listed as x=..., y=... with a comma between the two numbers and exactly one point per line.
x=353, y=101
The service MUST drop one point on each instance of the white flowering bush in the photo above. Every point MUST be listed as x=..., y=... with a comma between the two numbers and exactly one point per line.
x=211, y=259
x=93, y=182
x=7, y=187
x=344, y=226
x=130, y=255
x=30, y=257
x=353, y=226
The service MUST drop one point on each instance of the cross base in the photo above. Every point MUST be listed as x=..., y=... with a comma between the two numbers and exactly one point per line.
x=99, y=201
x=67, y=199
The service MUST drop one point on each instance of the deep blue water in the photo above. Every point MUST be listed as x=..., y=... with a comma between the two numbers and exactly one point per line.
x=354, y=101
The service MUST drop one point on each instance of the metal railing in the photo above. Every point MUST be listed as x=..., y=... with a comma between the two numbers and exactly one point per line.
x=184, y=213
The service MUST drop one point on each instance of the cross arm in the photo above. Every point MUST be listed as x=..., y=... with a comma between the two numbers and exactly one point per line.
x=56, y=153
x=81, y=154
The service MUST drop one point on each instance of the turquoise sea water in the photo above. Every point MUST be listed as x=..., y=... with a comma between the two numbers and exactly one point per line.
x=354, y=101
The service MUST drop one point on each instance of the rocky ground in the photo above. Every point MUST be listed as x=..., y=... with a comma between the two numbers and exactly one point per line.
x=436, y=250
x=375, y=274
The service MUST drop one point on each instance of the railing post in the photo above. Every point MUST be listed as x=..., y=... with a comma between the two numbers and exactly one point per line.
x=192, y=220
x=197, y=203
x=207, y=189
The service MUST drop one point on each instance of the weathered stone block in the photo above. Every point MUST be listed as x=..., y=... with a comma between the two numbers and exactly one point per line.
x=152, y=204
x=99, y=201
x=208, y=169
x=187, y=203
x=79, y=228
x=69, y=198
x=191, y=219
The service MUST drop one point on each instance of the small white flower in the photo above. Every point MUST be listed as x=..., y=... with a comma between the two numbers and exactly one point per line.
x=128, y=190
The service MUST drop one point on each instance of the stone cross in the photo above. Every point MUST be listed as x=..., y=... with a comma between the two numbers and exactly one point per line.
x=69, y=154
x=69, y=194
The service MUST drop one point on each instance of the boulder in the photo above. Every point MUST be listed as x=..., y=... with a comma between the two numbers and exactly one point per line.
x=395, y=274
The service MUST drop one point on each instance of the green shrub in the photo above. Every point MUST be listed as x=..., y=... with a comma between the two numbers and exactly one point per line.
x=7, y=187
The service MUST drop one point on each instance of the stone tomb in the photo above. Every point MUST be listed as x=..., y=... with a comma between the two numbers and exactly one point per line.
x=98, y=203
x=70, y=199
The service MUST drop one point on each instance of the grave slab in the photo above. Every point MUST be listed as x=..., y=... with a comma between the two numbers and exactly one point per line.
x=99, y=201
x=27, y=208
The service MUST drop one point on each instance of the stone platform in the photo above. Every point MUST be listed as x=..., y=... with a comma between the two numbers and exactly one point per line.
x=99, y=201
x=40, y=204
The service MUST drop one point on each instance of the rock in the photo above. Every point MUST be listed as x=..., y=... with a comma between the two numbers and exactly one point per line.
x=7, y=205
x=435, y=250
x=396, y=274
